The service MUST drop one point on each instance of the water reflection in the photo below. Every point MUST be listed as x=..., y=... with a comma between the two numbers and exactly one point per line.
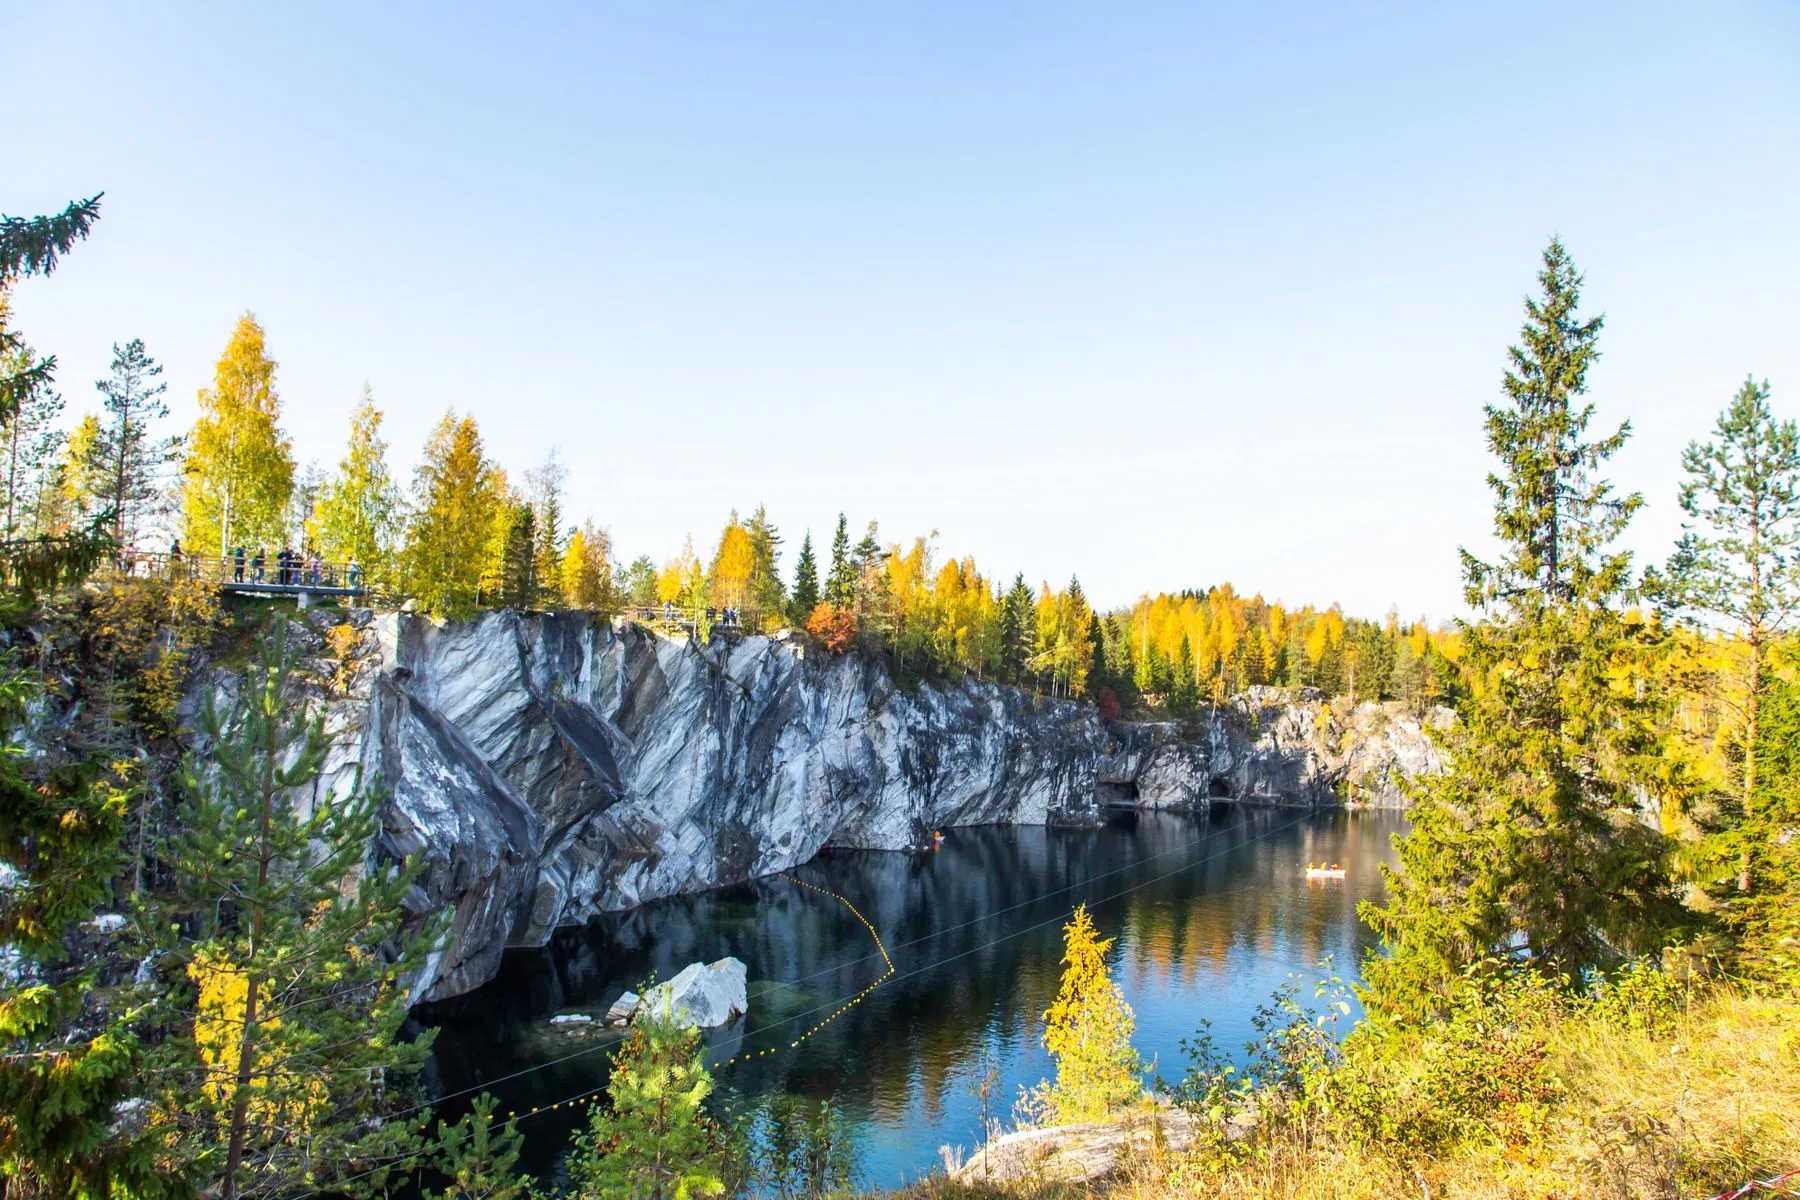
x=1211, y=913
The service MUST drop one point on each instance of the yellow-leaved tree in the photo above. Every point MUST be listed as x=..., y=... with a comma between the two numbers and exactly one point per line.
x=1088, y=1032
x=240, y=466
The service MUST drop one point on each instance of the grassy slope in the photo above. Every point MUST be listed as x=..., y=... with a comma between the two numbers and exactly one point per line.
x=1693, y=1110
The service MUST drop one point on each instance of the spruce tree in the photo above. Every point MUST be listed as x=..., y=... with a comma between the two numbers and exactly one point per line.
x=131, y=463
x=1529, y=849
x=840, y=584
x=806, y=583
x=519, y=560
x=290, y=939
x=1018, y=630
x=33, y=246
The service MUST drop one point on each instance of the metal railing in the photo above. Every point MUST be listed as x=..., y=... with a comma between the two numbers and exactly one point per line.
x=232, y=573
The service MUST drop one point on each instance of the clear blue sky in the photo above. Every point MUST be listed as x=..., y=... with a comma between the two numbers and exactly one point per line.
x=1160, y=294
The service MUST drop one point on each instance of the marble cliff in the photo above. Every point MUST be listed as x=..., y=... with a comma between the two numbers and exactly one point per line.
x=548, y=768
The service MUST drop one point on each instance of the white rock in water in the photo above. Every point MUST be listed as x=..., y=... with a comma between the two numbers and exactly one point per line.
x=622, y=1008
x=571, y=1019
x=703, y=994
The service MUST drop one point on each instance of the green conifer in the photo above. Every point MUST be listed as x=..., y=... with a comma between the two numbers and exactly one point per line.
x=806, y=583
x=1529, y=849
x=653, y=1140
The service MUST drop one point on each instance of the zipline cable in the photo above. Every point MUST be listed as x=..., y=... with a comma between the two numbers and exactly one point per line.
x=926, y=937
x=587, y=1095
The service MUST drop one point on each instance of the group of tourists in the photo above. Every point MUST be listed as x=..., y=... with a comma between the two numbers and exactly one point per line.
x=291, y=568
x=723, y=616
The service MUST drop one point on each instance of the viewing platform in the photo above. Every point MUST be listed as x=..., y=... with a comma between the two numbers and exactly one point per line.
x=306, y=579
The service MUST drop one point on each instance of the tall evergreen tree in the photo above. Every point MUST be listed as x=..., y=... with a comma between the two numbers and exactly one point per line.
x=33, y=246
x=240, y=466
x=1737, y=566
x=840, y=584
x=806, y=583
x=1018, y=630
x=518, y=561
x=131, y=462
x=358, y=515
x=544, y=487
x=1528, y=849
x=287, y=932
x=456, y=493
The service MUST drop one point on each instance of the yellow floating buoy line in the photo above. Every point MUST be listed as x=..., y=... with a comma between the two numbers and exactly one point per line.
x=749, y=1055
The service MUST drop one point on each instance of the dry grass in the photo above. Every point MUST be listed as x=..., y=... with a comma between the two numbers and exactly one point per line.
x=1690, y=1111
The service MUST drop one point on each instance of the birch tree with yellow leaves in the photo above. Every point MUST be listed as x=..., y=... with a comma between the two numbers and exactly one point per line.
x=240, y=466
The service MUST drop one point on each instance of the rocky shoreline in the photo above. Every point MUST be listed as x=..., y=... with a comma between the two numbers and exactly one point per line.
x=550, y=767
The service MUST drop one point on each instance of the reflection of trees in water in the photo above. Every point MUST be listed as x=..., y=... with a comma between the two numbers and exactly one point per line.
x=974, y=930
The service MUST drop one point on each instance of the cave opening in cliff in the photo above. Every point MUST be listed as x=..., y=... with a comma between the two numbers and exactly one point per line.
x=1218, y=789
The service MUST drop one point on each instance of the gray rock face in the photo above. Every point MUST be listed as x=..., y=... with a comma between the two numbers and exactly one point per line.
x=1266, y=747
x=549, y=768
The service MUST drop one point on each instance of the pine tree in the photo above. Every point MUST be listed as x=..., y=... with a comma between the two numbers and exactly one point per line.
x=66, y=1062
x=840, y=584
x=288, y=931
x=240, y=466
x=132, y=463
x=1735, y=566
x=653, y=1140
x=456, y=493
x=480, y=1157
x=806, y=583
x=1088, y=1032
x=358, y=517
x=1528, y=849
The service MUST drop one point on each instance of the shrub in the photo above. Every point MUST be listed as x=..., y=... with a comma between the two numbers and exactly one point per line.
x=834, y=626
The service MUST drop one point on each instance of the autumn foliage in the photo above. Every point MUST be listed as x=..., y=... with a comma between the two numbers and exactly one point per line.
x=834, y=626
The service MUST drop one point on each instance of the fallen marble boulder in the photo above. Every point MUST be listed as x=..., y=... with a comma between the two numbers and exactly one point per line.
x=622, y=1008
x=702, y=994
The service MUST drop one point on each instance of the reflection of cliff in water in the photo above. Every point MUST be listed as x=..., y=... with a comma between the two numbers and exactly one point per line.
x=1211, y=913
